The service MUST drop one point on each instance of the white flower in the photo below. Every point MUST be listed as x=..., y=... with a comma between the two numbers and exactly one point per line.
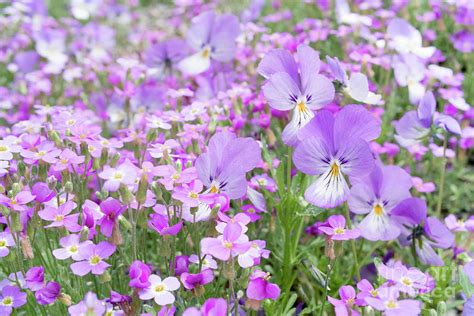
x=160, y=290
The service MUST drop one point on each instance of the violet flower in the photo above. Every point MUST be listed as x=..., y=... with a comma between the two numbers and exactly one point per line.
x=70, y=247
x=35, y=278
x=60, y=217
x=231, y=243
x=405, y=39
x=6, y=241
x=211, y=307
x=160, y=224
x=192, y=280
x=111, y=208
x=139, y=273
x=89, y=305
x=212, y=37
x=18, y=202
x=48, y=294
x=259, y=287
x=376, y=195
x=125, y=174
x=163, y=57
x=223, y=167
x=291, y=87
x=333, y=147
x=335, y=229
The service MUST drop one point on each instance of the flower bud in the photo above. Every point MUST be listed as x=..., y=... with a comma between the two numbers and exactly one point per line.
x=21, y=168
x=16, y=188
x=84, y=233
x=104, y=156
x=142, y=189
x=151, y=135
x=441, y=309
x=69, y=187
x=65, y=299
x=26, y=248
x=16, y=225
x=105, y=277
x=114, y=160
x=127, y=196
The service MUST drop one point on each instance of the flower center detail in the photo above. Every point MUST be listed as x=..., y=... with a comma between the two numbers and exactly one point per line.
x=3, y=148
x=193, y=195
x=118, y=176
x=227, y=245
x=3, y=243
x=334, y=170
x=73, y=249
x=95, y=259
x=378, y=210
x=159, y=288
x=7, y=301
x=214, y=189
x=59, y=218
x=406, y=281
x=391, y=304
x=206, y=52
x=339, y=231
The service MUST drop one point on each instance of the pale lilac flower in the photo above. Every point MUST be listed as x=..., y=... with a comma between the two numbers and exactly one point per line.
x=90, y=305
x=423, y=187
x=70, y=247
x=45, y=152
x=291, y=87
x=163, y=57
x=407, y=280
x=6, y=241
x=212, y=37
x=223, y=167
x=18, y=202
x=409, y=71
x=333, y=147
x=66, y=159
x=11, y=297
x=191, y=195
x=159, y=150
x=157, y=122
x=252, y=256
x=376, y=195
x=206, y=261
x=231, y=243
x=336, y=229
x=4, y=166
x=160, y=290
x=8, y=147
x=405, y=39
x=388, y=302
x=125, y=174
x=172, y=176
x=92, y=257
x=211, y=307
x=458, y=225
x=60, y=216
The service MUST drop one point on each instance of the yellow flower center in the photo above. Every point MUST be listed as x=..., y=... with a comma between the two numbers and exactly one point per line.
x=59, y=218
x=3, y=148
x=378, y=210
x=374, y=293
x=73, y=249
x=176, y=176
x=118, y=176
x=339, y=231
x=95, y=259
x=193, y=195
x=227, y=245
x=40, y=153
x=334, y=170
x=3, y=243
x=64, y=161
x=214, y=189
x=159, y=288
x=206, y=52
x=406, y=281
x=7, y=301
x=391, y=304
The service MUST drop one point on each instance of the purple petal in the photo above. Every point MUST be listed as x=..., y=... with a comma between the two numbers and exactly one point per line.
x=281, y=91
x=426, y=109
x=309, y=63
x=319, y=91
x=278, y=60
x=355, y=121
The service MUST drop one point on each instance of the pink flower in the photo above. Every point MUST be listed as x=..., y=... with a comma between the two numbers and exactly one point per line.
x=159, y=150
x=70, y=247
x=111, y=208
x=125, y=174
x=344, y=306
x=191, y=280
x=171, y=176
x=231, y=243
x=18, y=202
x=421, y=187
x=93, y=258
x=46, y=152
x=66, y=159
x=259, y=288
x=335, y=229
x=191, y=195
x=6, y=241
x=388, y=302
x=160, y=224
x=59, y=216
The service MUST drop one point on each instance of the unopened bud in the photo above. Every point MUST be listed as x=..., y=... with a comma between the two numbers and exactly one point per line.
x=142, y=189
x=84, y=233
x=116, y=237
x=114, y=160
x=26, y=248
x=54, y=136
x=105, y=277
x=104, y=155
x=21, y=168
x=441, y=309
x=15, y=222
x=198, y=291
x=151, y=135
x=329, y=250
x=69, y=187
x=155, y=187
x=124, y=222
x=16, y=188
x=65, y=299
x=127, y=196
x=4, y=211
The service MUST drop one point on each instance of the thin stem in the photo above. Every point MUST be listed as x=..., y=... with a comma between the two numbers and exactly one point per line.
x=326, y=286
x=443, y=175
x=288, y=169
x=353, y=245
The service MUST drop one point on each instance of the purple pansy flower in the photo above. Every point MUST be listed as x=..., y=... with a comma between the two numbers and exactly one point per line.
x=376, y=195
x=333, y=147
x=93, y=258
x=428, y=232
x=335, y=228
x=223, y=167
x=291, y=87
x=213, y=38
x=164, y=56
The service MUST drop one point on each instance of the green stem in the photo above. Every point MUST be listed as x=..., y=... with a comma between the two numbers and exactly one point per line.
x=326, y=286
x=288, y=169
x=353, y=245
x=443, y=175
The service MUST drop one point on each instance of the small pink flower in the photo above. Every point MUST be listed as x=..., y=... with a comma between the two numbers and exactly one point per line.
x=231, y=243
x=126, y=174
x=60, y=216
x=335, y=229
x=160, y=290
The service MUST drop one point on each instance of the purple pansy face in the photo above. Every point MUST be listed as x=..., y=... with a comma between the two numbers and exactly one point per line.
x=335, y=146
